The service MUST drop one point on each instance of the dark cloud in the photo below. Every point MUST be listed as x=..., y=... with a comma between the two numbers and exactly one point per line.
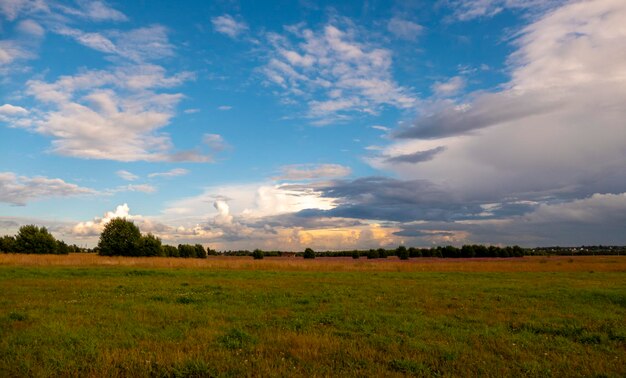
x=416, y=157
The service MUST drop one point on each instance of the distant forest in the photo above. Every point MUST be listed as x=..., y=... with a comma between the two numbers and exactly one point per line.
x=121, y=237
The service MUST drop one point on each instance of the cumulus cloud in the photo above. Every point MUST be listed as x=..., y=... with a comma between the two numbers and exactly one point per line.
x=171, y=173
x=125, y=175
x=19, y=190
x=229, y=26
x=114, y=115
x=404, y=29
x=313, y=171
x=336, y=74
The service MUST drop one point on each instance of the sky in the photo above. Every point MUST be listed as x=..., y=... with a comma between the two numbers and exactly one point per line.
x=283, y=125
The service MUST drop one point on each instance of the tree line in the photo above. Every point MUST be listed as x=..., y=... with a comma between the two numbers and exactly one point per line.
x=122, y=237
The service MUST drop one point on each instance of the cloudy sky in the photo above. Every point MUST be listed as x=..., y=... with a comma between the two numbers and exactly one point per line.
x=335, y=125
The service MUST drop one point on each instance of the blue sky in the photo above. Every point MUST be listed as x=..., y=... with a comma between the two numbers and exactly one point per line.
x=335, y=125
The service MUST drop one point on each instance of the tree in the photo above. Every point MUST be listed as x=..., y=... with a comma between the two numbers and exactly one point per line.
x=382, y=253
x=186, y=250
x=7, y=244
x=257, y=254
x=169, y=251
x=356, y=255
x=33, y=239
x=309, y=253
x=150, y=245
x=402, y=253
x=372, y=254
x=62, y=248
x=120, y=237
x=200, y=251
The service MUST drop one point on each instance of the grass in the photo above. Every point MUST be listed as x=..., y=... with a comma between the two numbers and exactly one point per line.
x=84, y=315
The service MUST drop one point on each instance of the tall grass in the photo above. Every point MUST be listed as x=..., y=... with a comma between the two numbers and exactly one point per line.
x=347, y=264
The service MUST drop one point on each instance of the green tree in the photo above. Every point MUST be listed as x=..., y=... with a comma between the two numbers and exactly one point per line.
x=169, y=251
x=356, y=255
x=402, y=253
x=257, y=254
x=7, y=244
x=309, y=253
x=372, y=254
x=201, y=253
x=150, y=245
x=120, y=237
x=62, y=248
x=33, y=239
x=186, y=250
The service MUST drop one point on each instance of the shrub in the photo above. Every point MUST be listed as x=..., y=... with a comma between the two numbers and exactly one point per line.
x=257, y=254
x=402, y=253
x=309, y=253
x=120, y=237
x=33, y=239
x=150, y=245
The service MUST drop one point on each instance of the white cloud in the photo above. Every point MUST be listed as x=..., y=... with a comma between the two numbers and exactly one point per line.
x=312, y=171
x=226, y=24
x=12, y=9
x=114, y=115
x=125, y=175
x=465, y=10
x=337, y=75
x=171, y=173
x=11, y=51
x=404, y=29
x=215, y=142
x=224, y=107
x=144, y=188
x=19, y=190
x=12, y=110
x=30, y=27
x=450, y=87
x=381, y=128
x=137, y=45
x=95, y=11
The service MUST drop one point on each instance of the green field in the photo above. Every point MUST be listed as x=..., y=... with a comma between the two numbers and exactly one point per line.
x=139, y=321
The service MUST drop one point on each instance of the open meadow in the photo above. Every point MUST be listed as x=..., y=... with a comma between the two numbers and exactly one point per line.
x=88, y=315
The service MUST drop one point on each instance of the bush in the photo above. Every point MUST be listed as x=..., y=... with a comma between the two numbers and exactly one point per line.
x=33, y=239
x=150, y=245
x=257, y=254
x=309, y=253
x=120, y=237
x=402, y=253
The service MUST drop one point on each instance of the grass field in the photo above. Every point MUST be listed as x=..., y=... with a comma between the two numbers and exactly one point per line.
x=85, y=315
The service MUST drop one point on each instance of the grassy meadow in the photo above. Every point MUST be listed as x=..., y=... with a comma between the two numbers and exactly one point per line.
x=86, y=315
